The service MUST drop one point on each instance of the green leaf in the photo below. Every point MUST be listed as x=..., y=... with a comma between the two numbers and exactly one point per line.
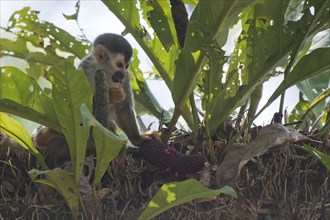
x=293, y=10
x=325, y=130
x=209, y=18
x=16, y=47
x=322, y=157
x=258, y=51
x=193, y=2
x=15, y=130
x=21, y=95
x=70, y=89
x=310, y=65
x=75, y=15
x=61, y=181
x=299, y=109
x=213, y=77
x=107, y=144
x=320, y=17
x=264, y=44
x=44, y=36
x=319, y=83
x=316, y=101
x=174, y=194
x=159, y=15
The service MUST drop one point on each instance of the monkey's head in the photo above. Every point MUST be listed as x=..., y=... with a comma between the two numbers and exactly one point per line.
x=113, y=54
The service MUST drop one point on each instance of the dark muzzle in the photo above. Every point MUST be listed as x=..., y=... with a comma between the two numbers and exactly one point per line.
x=118, y=77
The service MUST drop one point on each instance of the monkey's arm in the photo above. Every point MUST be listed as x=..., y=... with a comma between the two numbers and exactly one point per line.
x=126, y=116
x=127, y=122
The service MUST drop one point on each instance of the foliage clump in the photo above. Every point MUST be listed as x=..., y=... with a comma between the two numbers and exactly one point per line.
x=278, y=171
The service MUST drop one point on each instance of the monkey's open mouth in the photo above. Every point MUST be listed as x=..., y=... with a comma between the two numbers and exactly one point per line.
x=118, y=77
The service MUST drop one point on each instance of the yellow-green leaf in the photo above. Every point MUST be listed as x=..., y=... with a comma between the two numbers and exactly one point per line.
x=324, y=158
x=15, y=130
x=174, y=194
x=70, y=89
x=21, y=95
x=107, y=144
x=60, y=180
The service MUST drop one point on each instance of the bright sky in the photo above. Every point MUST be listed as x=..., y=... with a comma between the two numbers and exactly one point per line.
x=95, y=18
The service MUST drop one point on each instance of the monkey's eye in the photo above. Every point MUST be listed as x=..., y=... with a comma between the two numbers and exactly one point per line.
x=127, y=65
x=120, y=65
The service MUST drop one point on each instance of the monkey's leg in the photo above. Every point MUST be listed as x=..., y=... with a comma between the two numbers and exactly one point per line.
x=52, y=144
x=101, y=98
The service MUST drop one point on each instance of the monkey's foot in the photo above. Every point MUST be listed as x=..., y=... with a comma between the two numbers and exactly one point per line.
x=178, y=165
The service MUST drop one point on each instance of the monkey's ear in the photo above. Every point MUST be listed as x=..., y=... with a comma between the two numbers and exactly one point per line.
x=100, y=53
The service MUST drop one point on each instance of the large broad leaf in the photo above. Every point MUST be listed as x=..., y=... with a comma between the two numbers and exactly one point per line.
x=265, y=44
x=63, y=183
x=18, y=48
x=213, y=77
x=21, y=95
x=158, y=13
x=40, y=43
x=70, y=89
x=15, y=130
x=310, y=65
x=209, y=18
x=107, y=144
x=44, y=34
x=174, y=194
x=260, y=47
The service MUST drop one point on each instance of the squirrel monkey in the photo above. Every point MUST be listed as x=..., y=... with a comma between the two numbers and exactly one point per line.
x=107, y=65
x=106, y=69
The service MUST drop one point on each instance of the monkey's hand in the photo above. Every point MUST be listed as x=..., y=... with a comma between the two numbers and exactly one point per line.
x=146, y=136
x=116, y=94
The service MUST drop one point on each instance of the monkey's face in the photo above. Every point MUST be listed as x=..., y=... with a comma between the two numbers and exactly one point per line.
x=113, y=64
x=116, y=68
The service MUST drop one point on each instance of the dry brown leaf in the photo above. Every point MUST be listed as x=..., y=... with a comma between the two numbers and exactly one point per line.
x=238, y=155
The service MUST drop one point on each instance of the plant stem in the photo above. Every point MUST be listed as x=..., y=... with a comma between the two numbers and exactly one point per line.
x=195, y=115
